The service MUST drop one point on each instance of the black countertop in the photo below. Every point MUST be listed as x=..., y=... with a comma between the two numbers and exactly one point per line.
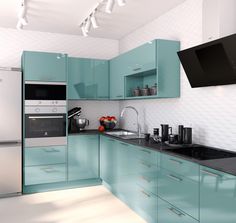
x=227, y=165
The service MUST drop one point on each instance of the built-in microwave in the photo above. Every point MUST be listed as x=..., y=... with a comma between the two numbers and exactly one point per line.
x=45, y=93
x=45, y=126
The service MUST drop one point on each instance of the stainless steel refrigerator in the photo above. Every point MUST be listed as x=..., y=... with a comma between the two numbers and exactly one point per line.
x=10, y=131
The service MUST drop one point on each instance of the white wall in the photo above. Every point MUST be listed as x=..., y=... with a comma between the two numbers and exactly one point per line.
x=211, y=110
x=13, y=42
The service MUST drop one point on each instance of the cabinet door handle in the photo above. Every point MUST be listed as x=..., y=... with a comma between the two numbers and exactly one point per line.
x=146, y=194
x=136, y=69
x=124, y=144
x=49, y=170
x=145, y=164
x=119, y=96
x=178, y=213
x=146, y=151
x=210, y=173
x=145, y=179
x=51, y=150
x=111, y=140
x=176, y=161
x=175, y=178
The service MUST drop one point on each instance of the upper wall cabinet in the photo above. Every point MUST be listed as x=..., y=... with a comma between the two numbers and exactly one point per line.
x=149, y=71
x=41, y=66
x=88, y=78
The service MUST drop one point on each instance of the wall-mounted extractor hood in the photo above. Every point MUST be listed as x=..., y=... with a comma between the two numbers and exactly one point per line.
x=212, y=63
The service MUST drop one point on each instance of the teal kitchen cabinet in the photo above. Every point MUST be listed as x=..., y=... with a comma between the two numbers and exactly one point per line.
x=178, y=184
x=217, y=196
x=108, y=161
x=80, y=78
x=141, y=59
x=101, y=79
x=83, y=157
x=45, y=165
x=167, y=213
x=88, y=78
x=117, y=73
x=154, y=63
x=129, y=176
x=41, y=66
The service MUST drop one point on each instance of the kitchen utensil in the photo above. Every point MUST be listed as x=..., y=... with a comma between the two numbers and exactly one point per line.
x=147, y=136
x=136, y=92
x=173, y=139
x=156, y=131
x=165, y=132
x=187, y=135
x=181, y=134
x=153, y=90
x=145, y=91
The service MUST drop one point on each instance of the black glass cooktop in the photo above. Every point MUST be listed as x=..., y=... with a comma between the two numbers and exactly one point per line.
x=203, y=153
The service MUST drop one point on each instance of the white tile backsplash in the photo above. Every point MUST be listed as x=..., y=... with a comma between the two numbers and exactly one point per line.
x=210, y=111
x=93, y=110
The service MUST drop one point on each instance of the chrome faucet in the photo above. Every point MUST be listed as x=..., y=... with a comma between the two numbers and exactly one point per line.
x=136, y=111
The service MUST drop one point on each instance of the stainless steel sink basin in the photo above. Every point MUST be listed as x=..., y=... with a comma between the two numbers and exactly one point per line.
x=125, y=134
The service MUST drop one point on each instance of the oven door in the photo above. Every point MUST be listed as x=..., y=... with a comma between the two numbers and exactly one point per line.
x=45, y=129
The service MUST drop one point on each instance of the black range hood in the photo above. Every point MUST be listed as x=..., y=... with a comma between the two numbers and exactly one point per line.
x=212, y=63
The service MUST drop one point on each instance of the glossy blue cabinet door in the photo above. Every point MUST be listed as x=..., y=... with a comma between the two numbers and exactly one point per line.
x=83, y=157
x=101, y=78
x=179, y=191
x=217, y=197
x=76, y=78
x=117, y=73
x=41, y=66
x=141, y=59
x=44, y=174
x=108, y=161
x=167, y=213
x=168, y=69
x=34, y=156
x=88, y=78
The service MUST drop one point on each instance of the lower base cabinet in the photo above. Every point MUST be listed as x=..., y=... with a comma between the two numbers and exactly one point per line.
x=83, y=157
x=217, y=196
x=166, y=213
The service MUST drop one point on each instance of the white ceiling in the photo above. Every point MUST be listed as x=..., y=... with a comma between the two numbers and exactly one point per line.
x=64, y=16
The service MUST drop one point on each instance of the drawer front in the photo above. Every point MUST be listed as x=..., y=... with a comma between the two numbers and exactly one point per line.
x=44, y=174
x=180, y=192
x=170, y=214
x=34, y=156
x=146, y=176
x=180, y=166
x=147, y=155
x=146, y=205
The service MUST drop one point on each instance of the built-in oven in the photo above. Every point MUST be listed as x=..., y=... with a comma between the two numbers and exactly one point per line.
x=45, y=126
x=45, y=93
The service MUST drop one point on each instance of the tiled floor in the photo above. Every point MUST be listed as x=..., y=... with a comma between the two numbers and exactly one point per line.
x=82, y=205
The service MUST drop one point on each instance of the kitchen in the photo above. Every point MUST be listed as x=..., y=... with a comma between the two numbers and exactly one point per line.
x=63, y=176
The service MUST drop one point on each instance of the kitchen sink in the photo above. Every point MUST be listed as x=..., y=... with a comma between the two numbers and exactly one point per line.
x=125, y=134
x=203, y=153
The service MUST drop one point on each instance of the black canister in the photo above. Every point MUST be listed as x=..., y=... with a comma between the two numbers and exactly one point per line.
x=187, y=135
x=165, y=132
x=181, y=134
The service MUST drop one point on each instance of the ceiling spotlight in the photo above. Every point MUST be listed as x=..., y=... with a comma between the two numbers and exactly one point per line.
x=87, y=24
x=121, y=2
x=84, y=32
x=110, y=6
x=19, y=25
x=94, y=21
